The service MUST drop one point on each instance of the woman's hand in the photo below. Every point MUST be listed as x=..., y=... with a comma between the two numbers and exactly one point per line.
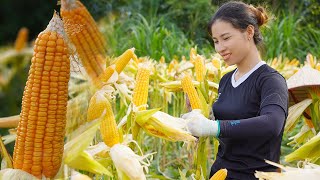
x=198, y=125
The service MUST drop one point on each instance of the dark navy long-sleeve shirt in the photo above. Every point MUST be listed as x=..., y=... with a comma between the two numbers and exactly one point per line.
x=252, y=117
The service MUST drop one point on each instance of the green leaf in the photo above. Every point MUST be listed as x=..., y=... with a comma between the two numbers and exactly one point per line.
x=5, y=155
x=143, y=116
x=77, y=145
x=84, y=161
x=204, y=106
x=182, y=175
x=309, y=150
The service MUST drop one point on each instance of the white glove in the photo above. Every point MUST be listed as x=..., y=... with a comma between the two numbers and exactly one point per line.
x=198, y=125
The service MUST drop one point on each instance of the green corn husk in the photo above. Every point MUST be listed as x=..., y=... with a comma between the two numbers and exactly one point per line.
x=310, y=151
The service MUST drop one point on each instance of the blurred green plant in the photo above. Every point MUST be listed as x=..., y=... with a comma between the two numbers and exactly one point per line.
x=155, y=38
x=287, y=37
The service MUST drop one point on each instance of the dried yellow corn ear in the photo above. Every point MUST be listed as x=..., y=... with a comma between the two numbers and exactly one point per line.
x=40, y=134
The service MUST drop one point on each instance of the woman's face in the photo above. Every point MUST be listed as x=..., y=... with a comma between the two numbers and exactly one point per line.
x=232, y=44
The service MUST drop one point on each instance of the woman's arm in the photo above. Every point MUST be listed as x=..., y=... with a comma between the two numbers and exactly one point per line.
x=269, y=123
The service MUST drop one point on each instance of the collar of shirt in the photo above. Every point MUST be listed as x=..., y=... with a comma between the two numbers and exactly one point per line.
x=245, y=76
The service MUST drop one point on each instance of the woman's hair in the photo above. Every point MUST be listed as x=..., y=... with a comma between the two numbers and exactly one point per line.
x=241, y=15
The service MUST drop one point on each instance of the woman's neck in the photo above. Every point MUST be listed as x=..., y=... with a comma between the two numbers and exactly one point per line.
x=251, y=60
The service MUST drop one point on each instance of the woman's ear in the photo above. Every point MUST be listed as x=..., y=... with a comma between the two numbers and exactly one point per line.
x=250, y=32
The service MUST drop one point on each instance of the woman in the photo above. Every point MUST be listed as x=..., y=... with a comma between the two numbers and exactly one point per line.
x=252, y=105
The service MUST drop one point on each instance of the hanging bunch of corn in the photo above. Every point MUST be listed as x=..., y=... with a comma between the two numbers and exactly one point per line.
x=40, y=134
x=85, y=35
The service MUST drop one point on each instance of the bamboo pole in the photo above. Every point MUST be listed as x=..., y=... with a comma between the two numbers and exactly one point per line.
x=9, y=122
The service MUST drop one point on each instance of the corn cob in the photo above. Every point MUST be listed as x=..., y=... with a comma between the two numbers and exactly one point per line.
x=120, y=64
x=100, y=106
x=191, y=92
x=193, y=53
x=220, y=175
x=140, y=92
x=199, y=68
x=84, y=34
x=172, y=65
x=40, y=134
x=216, y=63
x=21, y=40
x=109, y=128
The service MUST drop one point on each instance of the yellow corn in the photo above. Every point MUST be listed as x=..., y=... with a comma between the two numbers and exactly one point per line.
x=105, y=76
x=119, y=65
x=274, y=62
x=216, y=63
x=100, y=107
x=21, y=40
x=109, y=128
x=191, y=92
x=140, y=92
x=162, y=60
x=97, y=106
x=172, y=65
x=311, y=60
x=318, y=67
x=220, y=175
x=193, y=53
x=199, y=68
x=85, y=35
x=123, y=60
x=40, y=134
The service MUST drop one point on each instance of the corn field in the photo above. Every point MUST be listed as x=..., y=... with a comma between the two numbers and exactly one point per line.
x=88, y=114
